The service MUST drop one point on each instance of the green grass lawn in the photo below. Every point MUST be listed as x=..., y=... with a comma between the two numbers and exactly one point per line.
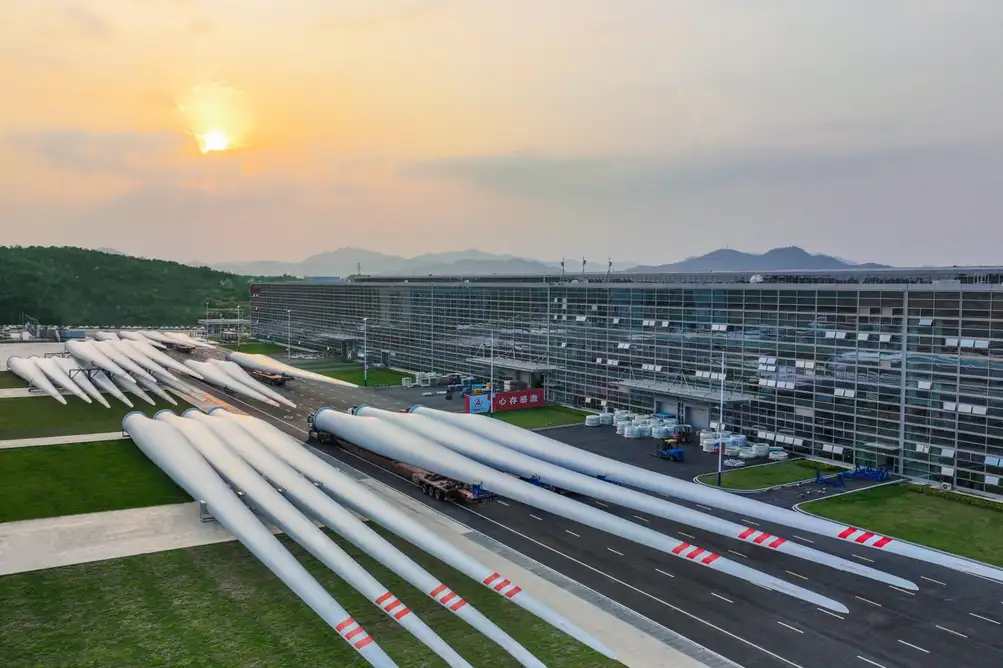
x=258, y=348
x=36, y=417
x=53, y=480
x=544, y=416
x=943, y=523
x=768, y=475
x=9, y=379
x=217, y=606
x=376, y=376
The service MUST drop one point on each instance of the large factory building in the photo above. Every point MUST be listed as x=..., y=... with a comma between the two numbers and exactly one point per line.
x=893, y=367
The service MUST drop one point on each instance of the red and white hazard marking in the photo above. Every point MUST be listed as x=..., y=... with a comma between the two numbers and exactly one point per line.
x=393, y=606
x=448, y=598
x=695, y=553
x=862, y=537
x=353, y=632
x=762, y=538
x=502, y=585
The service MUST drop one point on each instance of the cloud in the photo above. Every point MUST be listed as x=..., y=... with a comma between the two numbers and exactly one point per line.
x=652, y=177
x=120, y=153
x=87, y=22
x=392, y=13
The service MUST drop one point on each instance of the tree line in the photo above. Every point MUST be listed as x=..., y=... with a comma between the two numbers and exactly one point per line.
x=68, y=286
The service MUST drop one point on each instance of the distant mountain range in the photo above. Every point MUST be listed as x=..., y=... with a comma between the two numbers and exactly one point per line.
x=349, y=261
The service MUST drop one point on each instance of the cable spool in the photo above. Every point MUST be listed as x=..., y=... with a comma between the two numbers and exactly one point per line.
x=644, y=431
x=630, y=432
x=606, y=419
x=778, y=456
x=737, y=440
x=761, y=449
x=592, y=421
x=731, y=450
x=746, y=453
x=619, y=429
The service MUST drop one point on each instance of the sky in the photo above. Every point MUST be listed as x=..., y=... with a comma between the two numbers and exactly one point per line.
x=642, y=130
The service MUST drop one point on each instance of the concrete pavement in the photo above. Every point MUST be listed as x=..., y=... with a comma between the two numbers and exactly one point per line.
x=61, y=440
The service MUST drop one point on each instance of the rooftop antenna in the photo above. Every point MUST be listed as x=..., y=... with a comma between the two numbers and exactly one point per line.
x=583, y=269
x=609, y=270
x=562, y=270
x=358, y=269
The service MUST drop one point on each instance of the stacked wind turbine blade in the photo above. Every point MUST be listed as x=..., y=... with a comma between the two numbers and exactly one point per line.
x=72, y=368
x=269, y=365
x=333, y=515
x=59, y=377
x=141, y=336
x=576, y=459
x=106, y=336
x=89, y=354
x=184, y=339
x=497, y=456
x=367, y=503
x=162, y=359
x=156, y=389
x=155, y=339
x=105, y=384
x=172, y=452
x=216, y=377
x=179, y=386
x=31, y=374
x=394, y=442
x=112, y=352
x=128, y=350
x=132, y=387
x=218, y=441
x=234, y=371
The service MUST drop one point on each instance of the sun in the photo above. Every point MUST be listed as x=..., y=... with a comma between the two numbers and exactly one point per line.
x=217, y=117
x=213, y=140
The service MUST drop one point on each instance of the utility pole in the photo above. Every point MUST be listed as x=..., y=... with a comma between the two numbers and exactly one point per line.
x=240, y=331
x=289, y=333
x=491, y=381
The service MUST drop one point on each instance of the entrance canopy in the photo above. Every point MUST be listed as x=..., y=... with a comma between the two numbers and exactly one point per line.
x=686, y=391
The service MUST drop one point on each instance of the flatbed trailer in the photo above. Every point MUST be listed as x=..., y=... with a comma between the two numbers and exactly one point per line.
x=276, y=379
x=437, y=486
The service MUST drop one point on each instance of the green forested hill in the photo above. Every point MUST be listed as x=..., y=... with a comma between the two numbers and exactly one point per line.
x=74, y=286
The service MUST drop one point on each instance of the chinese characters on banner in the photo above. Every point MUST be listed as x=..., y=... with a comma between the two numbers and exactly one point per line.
x=508, y=401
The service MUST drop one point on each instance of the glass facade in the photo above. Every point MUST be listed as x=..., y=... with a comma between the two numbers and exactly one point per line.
x=903, y=373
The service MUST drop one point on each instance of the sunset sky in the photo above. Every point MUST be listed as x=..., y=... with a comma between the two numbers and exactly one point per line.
x=645, y=130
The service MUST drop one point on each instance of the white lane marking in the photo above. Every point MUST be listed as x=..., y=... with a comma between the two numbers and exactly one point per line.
x=706, y=623
x=739, y=554
x=535, y=517
x=614, y=551
x=790, y=627
x=755, y=524
x=985, y=619
x=600, y=503
x=909, y=644
x=572, y=533
x=664, y=573
x=830, y=612
x=803, y=538
x=950, y=631
x=797, y=575
x=728, y=600
x=690, y=536
x=873, y=663
x=502, y=502
x=640, y=518
x=923, y=577
x=857, y=556
x=704, y=507
x=911, y=593
x=869, y=601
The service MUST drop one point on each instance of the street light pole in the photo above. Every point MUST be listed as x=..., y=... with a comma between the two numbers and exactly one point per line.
x=491, y=380
x=720, y=427
x=365, y=352
x=240, y=333
x=206, y=327
x=289, y=333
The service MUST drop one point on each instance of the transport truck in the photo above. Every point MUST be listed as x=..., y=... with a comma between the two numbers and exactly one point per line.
x=432, y=484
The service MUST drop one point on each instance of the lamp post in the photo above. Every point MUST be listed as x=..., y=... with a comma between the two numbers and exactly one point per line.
x=365, y=351
x=206, y=328
x=240, y=332
x=289, y=333
x=491, y=379
x=720, y=426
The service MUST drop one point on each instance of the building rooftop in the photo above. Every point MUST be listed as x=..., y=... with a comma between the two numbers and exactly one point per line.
x=989, y=275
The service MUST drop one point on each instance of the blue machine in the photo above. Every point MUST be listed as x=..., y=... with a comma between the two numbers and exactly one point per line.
x=879, y=474
x=835, y=480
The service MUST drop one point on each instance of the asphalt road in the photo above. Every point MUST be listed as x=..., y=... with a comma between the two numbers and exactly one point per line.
x=954, y=619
